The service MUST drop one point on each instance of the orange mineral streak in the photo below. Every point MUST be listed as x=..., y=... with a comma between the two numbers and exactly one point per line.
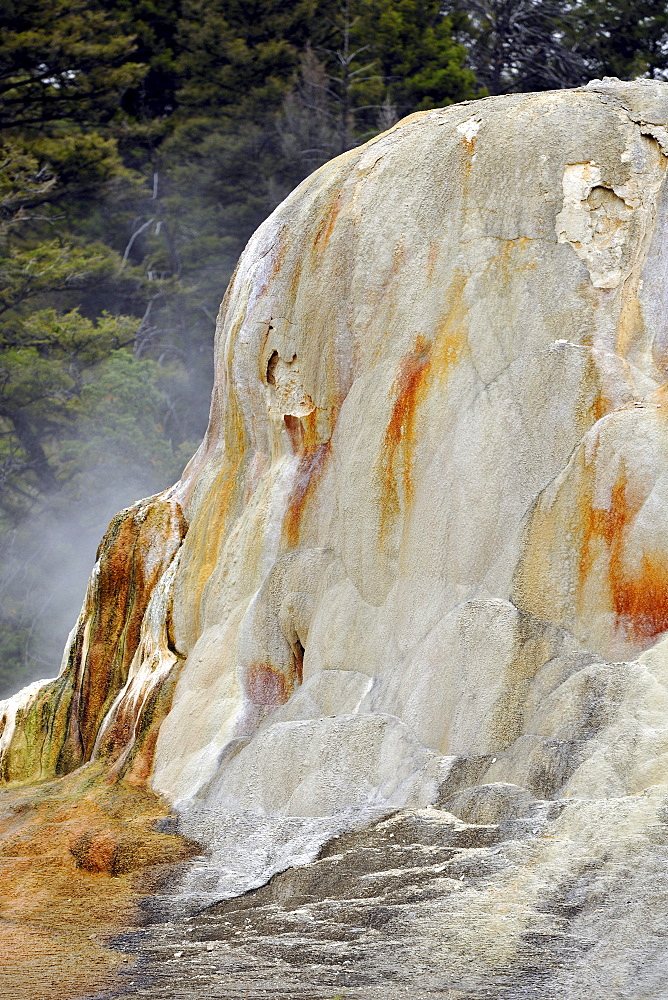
x=202, y=548
x=630, y=325
x=326, y=226
x=639, y=599
x=642, y=602
x=313, y=454
x=133, y=555
x=295, y=429
x=309, y=472
x=131, y=739
x=593, y=401
x=468, y=150
x=409, y=385
x=425, y=365
x=511, y=259
x=76, y=857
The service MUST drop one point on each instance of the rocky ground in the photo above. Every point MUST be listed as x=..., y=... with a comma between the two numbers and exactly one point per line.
x=423, y=905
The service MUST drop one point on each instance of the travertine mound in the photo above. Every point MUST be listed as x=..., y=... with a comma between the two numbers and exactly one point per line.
x=426, y=557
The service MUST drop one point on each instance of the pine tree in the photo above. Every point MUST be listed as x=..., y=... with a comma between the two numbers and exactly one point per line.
x=66, y=344
x=421, y=64
x=372, y=62
x=622, y=38
x=520, y=45
x=61, y=59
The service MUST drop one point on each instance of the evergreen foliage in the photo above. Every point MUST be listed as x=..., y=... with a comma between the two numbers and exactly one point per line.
x=62, y=60
x=623, y=38
x=520, y=45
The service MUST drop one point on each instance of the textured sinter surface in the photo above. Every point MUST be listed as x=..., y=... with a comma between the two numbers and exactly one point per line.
x=76, y=856
x=425, y=565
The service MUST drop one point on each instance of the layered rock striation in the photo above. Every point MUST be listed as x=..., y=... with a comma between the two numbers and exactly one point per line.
x=421, y=557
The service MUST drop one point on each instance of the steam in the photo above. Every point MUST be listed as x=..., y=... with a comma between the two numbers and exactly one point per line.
x=44, y=569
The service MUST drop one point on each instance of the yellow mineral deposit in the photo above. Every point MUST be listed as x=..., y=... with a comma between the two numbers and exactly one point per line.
x=420, y=558
x=76, y=855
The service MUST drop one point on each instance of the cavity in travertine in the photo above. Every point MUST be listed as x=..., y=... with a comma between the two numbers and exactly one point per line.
x=606, y=222
x=286, y=393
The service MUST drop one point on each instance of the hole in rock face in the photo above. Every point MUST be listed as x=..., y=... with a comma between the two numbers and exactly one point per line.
x=298, y=653
x=271, y=368
x=608, y=212
x=600, y=197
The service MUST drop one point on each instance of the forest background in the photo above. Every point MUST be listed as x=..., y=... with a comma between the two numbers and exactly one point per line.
x=141, y=143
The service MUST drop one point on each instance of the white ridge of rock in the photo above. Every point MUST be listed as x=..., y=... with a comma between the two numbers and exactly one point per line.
x=411, y=355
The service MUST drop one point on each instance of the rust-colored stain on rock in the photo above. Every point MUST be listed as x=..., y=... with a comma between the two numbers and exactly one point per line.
x=267, y=686
x=426, y=362
x=639, y=597
x=413, y=371
x=586, y=557
x=129, y=743
x=630, y=325
x=641, y=602
x=309, y=471
x=593, y=401
x=201, y=552
x=326, y=227
x=57, y=732
x=133, y=555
